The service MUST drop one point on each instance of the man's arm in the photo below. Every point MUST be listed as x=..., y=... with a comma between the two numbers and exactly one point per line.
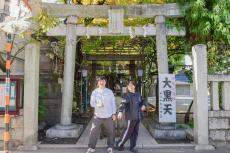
x=122, y=107
x=113, y=103
x=92, y=100
x=114, y=117
x=142, y=103
x=123, y=104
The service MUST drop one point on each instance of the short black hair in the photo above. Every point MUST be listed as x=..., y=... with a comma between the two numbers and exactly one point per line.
x=101, y=78
x=132, y=82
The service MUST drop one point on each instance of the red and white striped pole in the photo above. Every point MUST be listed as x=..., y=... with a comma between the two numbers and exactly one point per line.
x=8, y=48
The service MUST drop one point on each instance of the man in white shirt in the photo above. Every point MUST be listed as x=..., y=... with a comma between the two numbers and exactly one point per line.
x=103, y=101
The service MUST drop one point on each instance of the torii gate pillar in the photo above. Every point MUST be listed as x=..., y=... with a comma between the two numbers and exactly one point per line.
x=161, y=44
x=66, y=129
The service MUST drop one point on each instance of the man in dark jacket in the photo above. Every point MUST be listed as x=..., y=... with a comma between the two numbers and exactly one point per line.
x=132, y=105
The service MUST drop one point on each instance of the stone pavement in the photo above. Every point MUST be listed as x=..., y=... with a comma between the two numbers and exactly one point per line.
x=144, y=139
x=225, y=149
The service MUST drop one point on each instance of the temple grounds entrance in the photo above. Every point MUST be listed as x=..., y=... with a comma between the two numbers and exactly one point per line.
x=115, y=14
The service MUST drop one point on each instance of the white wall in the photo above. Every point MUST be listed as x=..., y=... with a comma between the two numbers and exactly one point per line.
x=18, y=64
x=2, y=3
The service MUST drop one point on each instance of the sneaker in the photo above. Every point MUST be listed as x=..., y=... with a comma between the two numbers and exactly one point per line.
x=117, y=143
x=134, y=150
x=90, y=150
x=119, y=148
x=110, y=150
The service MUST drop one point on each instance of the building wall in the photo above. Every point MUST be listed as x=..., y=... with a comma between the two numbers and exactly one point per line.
x=53, y=97
x=219, y=127
x=4, y=8
x=17, y=68
x=16, y=130
x=52, y=100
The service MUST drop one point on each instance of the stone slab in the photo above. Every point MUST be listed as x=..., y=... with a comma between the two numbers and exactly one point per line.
x=28, y=148
x=219, y=123
x=217, y=135
x=219, y=77
x=169, y=134
x=71, y=131
x=228, y=136
x=204, y=147
x=219, y=114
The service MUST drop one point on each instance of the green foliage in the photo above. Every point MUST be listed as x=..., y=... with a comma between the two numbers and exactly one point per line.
x=207, y=20
x=188, y=73
x=138, y=21
x=218, y=55
x=191, y=124
x=41, y=106
x=44, y=24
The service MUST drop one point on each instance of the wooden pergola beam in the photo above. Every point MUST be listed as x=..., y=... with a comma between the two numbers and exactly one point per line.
x=107, y=68
x=101, y=11
x=111, y=57
x=104, y=31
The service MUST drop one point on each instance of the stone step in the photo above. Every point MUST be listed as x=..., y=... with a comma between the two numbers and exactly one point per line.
x=154, y=146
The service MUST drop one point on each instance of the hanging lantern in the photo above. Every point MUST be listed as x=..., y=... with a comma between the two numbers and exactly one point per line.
x=17, y=20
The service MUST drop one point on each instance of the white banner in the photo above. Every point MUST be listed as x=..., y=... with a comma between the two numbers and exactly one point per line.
x=167, y=98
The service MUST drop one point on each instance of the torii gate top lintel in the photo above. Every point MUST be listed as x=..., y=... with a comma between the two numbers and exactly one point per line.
x=116, y=15
x=116, y=27
x=101, y=11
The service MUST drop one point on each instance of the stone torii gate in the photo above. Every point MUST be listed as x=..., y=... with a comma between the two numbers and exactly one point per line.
x=116, y=27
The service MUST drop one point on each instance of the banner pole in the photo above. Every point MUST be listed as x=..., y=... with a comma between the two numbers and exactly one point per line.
x=8, y=48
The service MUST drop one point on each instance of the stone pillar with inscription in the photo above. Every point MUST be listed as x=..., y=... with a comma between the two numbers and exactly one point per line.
x=200, y=91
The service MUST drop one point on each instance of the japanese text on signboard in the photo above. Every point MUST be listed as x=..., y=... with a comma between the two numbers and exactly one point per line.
x=167, y=98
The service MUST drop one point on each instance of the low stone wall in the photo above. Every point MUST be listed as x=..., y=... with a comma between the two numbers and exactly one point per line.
x=16, y=130
x=219, y=127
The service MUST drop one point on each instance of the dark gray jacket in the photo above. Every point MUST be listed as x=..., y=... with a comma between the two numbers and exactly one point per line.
x=131, y=105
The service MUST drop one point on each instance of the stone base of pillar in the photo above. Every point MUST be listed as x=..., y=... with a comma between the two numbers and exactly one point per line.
x=64, y=131
x=28, y=148
x=168, y=131
x=204, y=147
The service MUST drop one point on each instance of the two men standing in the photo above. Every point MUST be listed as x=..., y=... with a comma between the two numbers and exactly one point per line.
x=103, y=101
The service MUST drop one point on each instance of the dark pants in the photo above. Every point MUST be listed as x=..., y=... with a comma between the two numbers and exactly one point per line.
x=96, y=130
x=131, y=133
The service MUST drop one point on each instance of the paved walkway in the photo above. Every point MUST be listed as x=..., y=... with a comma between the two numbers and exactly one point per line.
x=178, y=150
x=144, y=139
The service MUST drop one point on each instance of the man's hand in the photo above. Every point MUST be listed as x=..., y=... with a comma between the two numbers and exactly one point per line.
x=119, y=116
x=114, y=117
x=143, y=108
